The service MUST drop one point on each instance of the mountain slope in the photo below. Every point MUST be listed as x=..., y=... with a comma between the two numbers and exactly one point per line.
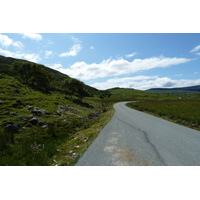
x=6, y=64
x=38, y=125
x=181, y=90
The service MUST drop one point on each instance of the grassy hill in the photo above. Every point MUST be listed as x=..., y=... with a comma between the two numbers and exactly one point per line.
x=127, y=94
x=46, y=124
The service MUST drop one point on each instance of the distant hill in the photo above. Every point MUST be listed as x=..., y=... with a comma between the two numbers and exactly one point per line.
x=128, y=94
x=180, y=90
x=7, y=62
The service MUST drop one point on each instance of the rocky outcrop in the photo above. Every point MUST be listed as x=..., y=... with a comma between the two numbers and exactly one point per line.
x=34, y=121
x=11, y=126
x=38, y=111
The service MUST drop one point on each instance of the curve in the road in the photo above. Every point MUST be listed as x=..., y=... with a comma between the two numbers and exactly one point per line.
x=134, y=138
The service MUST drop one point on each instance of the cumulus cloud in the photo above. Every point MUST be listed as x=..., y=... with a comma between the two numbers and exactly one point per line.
x=5, y=41
x=31, y=57
x=195, y=49
x=32, y=36
x=84, y=71
x=91, y=47
x=144, y=83
x=131, y=55
x=73, y=51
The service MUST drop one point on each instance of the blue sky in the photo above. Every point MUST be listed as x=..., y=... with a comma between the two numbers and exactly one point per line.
x=107, y=60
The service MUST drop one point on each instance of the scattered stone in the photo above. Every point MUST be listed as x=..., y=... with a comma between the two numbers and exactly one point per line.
x=13, y=113
x=59, y=112
x=44, y=126
x=21, y=117
x=29, y=107
x=1, y=101
x=74, y=154
x=85, y=139
x=41, y=123
x=77, y=146
x=38, y=111
x=61, y=107
x=24, y=127
x=34, y=121
x=11, y=126
x=70, y=151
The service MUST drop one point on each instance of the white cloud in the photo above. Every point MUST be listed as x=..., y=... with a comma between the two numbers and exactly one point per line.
x=55, y=66
x=198, y=54
x=32, y=36
x=195, y=49
x=145, y=82
x=73, y=51
x=91, y=47
x=84, y=71
x=31, y=57
x=76, y=40
x=48, y=54
x=5, y=41
x=131, y=55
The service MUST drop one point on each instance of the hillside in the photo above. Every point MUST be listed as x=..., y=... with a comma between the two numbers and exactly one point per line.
x=46, y=117
x=181, y=90
x=6, y=65
x=127, y=94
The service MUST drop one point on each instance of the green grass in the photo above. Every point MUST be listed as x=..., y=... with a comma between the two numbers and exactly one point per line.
x=184, y=111
x=71, y=150
x=122, y=94
x=34, y=145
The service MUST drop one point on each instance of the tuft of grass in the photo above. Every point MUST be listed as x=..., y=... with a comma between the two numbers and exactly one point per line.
x=32, y=144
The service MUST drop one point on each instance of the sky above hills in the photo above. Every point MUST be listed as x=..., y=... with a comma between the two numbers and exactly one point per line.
x=107, y=60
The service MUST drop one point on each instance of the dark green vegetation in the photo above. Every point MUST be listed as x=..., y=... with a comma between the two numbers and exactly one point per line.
x=182, y=90
x=184, y=111
x=48, y=118
x=42, y=111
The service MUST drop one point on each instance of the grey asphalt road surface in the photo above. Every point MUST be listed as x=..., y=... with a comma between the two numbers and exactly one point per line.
x=133, y=138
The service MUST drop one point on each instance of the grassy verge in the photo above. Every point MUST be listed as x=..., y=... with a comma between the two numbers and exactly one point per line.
x=71, y=150
x=38, y=129
x=184, y=112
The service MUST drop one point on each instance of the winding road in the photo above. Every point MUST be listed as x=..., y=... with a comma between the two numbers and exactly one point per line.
x=134, y=138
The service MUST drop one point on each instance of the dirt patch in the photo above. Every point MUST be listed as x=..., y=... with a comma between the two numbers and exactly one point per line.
x=126, y=157
x=110, y=149
x=113, y=140
x=126, y=154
